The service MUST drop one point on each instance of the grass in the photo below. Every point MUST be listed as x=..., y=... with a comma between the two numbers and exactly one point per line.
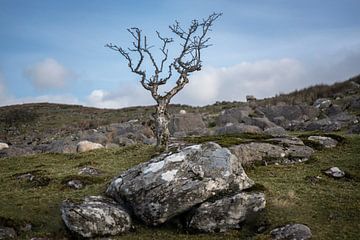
x=330, y=207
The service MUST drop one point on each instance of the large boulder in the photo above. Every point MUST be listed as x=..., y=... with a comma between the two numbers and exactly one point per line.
x=234, y=115
x=186, y=124
x=226, y=213
x=95, y=216
x=93, y=135
x=290, y=112
x=85, y=146
x=291, y=232
x=171, y=184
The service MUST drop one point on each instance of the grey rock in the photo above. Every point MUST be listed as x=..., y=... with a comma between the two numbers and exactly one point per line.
x=94, y=136
x=325, y=124
x=235, y=115
x=335, y=172
x=326, y=142
x=291, y=232
x=7, y=233
x=18, y=150
x=290, y=112
x=355, y=129
x=233, y=129
x=226, y=213
x=322, y=103
x=186, y=124
x=276, y=131
x=296, y=152
x=258, y=152
x=60, y=146
x=171, y=184
x=95, y=216
x=287, y=141
x=89, y=171
x=76, y=184
x=261, y=122
x=123, y=141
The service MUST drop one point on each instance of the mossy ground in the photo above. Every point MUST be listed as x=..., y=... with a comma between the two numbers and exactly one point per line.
x=330, y=207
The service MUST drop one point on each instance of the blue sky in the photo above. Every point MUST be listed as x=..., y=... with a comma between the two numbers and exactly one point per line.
x=53, y=51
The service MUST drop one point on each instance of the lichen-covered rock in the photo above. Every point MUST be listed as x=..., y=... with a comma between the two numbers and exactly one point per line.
x=291, y=232
x=226, y=213
x=85, y=146
x=297, y=152
x=326, y=142
x=172, y=184
x=96, y=216
x=335, y=172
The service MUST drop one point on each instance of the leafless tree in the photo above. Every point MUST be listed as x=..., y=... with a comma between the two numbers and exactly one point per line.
x=193, y=40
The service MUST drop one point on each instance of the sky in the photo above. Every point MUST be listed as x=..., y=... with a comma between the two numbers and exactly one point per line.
x=53, y=51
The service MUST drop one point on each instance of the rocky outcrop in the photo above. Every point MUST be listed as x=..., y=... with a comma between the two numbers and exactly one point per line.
x=185, y=124
x=171, y=184
x=226, y=213
x=276, y=131
x=95, y=216
x=291, y=231
x=85, y=146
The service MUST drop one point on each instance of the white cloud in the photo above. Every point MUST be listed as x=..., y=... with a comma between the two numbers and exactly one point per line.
x=48, y=74
x=128, y=95
x=261, y=78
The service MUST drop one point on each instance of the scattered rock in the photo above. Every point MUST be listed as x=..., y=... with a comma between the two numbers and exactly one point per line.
x=171, y=184
x=226, y=213
x=322, y=103
x=287, y=141
x=76, y=184
x=291, y=232
x=34, y=178
x=85, y=146
x=326, y=142
x=7, y=233
x=89, y=171
x=95, y=216
x=3, y=146
x=233, y=129
x=276, y=131
x=335, y=172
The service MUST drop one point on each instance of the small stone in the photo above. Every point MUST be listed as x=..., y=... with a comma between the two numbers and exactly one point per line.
x=76, y=184
x=291, y=232
x=27, y=176
x=84, y=146
x=335, y=172
x=89, y=171
x=3, y=146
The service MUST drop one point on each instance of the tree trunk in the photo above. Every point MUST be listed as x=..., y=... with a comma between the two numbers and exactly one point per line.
x=161, y=124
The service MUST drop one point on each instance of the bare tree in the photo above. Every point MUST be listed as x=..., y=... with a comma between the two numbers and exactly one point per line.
x=193, y=40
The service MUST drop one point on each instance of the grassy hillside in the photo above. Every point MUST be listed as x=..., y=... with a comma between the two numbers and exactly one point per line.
x=294, y=194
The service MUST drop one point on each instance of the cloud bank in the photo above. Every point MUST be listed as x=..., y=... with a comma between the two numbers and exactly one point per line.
x=48, y=74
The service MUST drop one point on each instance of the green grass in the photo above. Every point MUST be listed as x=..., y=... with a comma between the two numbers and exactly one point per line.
x=330, y=207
